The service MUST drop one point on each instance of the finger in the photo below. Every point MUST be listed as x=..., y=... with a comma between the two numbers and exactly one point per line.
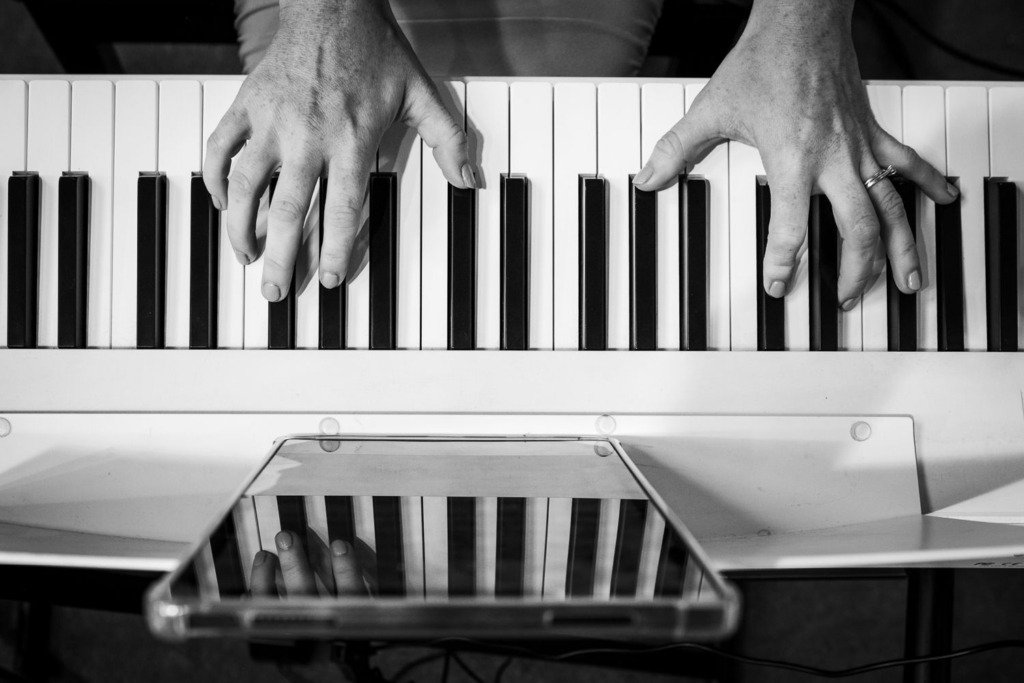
x=285, y=222
x=909, y=163
x=298, y=577
x=223, y=144
x=897, y=237
x=320, y=560
x=441, y=132
x=787, y=230
x=343, y=210
x=348, y=580
x=858, y=226
x=248, y=180
x=685, y=144
x=264, y=570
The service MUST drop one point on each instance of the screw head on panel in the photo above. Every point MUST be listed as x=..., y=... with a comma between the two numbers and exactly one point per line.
x=860, y=431
x=329, y=426
x=605, y=425
x=5, y=427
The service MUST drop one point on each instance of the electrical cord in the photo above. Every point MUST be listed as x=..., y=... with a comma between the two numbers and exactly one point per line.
x=944, y=45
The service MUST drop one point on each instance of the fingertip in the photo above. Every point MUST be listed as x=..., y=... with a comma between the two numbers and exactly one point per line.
x=284, y=540
x=468, y=176
x=776, y=289
x=340, y=548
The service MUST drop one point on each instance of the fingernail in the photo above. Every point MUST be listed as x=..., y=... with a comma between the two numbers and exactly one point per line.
x=849, y=304
x=339, y=548
x=643, y=176
x=951, y=189
x=216, y=202
x=330, y=280
x=914, y=280
x=242, y=258
x=271, y=292
x=260, y=558
x=284, y=540
x=777, y=288
x=468, y=176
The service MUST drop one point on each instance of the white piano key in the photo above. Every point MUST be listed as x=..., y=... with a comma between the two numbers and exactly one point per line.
x=248, y=534
x=135, y=150
x=435, y=546
x=851, y=332
x=92, y=151
x=357, y=298
x=1006, y=145
x=924, y=129
x=661, y=106
x=316, y=517
x=307, y=282
x=256, y=315
x=362, y=516
x=650, y=553
x=744, y=167
x=13, y=121
x=575, y=144
x=401, y=153
x=797, y=305
x=49, y=153
x=556, y=554
x=217, y=97
x=533, y=551
x=269, y=521
x=618, y=156
x=434, y=236
x=887, y=105
x=178, y=156
x=604, y=556
x=967, y=159
x=693, y=578
x=531, y=147
x=715, y=167
x=488, y=128
x=412, y=541
x=486, y=544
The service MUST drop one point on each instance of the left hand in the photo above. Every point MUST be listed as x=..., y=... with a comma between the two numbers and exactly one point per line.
x=294, y=571
x=791, y=88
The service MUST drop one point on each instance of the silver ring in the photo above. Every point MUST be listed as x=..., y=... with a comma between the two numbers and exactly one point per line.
x=879, y=176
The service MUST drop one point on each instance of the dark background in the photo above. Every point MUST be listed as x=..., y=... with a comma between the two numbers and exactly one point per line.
x=79, y=626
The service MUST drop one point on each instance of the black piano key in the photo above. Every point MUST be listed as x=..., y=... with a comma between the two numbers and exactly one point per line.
x=204, y=266
x=643, y=269
x=383, y=228
x=461, y=268
x=629, y=540
x=340, y=519
x=22, y=260
x=151, y=290
x=510, y=566
x=227, y=562
x=694, y=219
x=593, y=237
x=582, y=561
x=461, y=546
x=949, y=280
x=771, y=312
x=387, y=529
x=72, y=259
x=902, y=308
x=1001, y=263
x=672, y=563
x=332, y=301
x=281, y=314
x=292, y=512
x=515, y=263
x=823, y=275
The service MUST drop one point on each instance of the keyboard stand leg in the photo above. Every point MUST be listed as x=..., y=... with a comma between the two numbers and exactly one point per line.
x=929, y=623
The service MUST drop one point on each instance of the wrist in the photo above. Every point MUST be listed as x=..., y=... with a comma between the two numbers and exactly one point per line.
x=801, y=18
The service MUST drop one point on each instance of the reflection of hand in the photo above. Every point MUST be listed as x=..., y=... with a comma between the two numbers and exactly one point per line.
x=294, y=571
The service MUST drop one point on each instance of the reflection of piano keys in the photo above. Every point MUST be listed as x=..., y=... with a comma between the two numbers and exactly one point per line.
x=437, y=547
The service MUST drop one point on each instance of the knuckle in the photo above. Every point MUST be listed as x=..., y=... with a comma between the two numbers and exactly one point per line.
x=784, y=246
x=287, y=210
x=241, y=184
x=863, y=230
x=669, y=145
x=891, y=206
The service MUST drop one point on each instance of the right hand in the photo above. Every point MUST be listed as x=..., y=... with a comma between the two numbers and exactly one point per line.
x=336, y=76
x=294, y=570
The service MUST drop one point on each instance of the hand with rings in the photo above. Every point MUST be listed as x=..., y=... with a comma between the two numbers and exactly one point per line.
x=792, y=89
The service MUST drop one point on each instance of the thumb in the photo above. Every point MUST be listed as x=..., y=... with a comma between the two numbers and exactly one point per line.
x=435, y=124
x=676, y=153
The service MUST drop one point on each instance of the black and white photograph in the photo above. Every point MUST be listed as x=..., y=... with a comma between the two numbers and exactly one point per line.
x=511, y=341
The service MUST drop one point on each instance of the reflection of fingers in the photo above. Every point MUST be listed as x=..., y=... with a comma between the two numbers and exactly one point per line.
x=909, y=163
x=298, y=577
x=347, y=578
x=264, y=572
x=899, y=239
x=320, y=560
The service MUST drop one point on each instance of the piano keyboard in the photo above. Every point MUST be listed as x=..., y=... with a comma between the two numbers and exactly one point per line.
x=442, y=547
x=111, y=240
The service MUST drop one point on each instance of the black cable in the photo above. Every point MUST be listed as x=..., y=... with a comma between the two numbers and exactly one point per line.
x=465, y=667
x=500, y=672
x=447, y=666
x=950, y=49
